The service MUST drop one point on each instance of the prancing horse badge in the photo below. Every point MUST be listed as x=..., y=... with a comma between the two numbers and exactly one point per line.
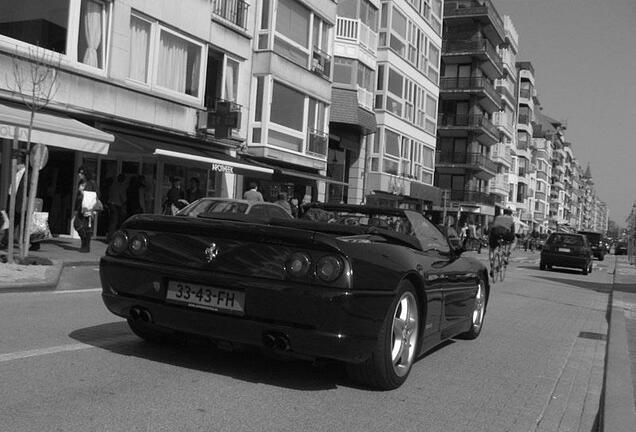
x=211, y=252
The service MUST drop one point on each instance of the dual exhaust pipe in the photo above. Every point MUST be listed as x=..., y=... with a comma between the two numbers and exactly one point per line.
x=276, y=341
x=140, y=314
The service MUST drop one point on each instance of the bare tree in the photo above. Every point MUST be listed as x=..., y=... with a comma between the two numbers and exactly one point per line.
x=35, y=82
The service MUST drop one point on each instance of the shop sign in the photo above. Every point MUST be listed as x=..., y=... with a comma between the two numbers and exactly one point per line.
x=8, y=132
x=223, y=119
x=222, y=168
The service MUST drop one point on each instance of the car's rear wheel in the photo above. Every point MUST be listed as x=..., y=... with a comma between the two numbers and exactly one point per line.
x=479, y=311
x=391, y=361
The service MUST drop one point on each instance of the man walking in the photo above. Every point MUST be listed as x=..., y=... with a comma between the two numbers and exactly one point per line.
x=252, y=194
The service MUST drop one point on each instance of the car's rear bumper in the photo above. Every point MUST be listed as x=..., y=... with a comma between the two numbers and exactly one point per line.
x=560, y=260
x=317, y=322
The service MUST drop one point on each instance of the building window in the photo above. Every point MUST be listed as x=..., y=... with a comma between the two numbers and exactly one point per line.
x=176, y=58
x=139, y=48
x=343, y=70
x=288, y=106
x=391, y=143
x=77, y=29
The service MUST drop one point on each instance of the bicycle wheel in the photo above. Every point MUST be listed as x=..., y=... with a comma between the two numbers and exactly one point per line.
x=503, y=267
x=495, y=265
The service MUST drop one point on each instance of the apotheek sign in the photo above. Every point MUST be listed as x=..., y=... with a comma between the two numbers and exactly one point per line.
x=8, y=132
x=222, y=168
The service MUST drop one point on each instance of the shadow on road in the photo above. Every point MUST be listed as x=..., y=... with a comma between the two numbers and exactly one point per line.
x=247, y=365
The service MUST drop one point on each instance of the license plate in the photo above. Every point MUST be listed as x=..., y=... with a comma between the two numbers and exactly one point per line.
x=564, y=250
x=205, y=297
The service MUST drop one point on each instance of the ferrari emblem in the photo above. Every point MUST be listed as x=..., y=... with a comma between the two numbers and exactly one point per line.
x=211, y=252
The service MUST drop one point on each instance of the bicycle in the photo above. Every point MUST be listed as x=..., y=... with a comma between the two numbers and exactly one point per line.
x=499, y=260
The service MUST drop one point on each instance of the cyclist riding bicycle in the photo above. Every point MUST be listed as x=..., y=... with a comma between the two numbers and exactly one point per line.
x=503, y=226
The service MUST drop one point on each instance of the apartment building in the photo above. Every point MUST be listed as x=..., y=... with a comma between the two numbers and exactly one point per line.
x=468, y=102
x=523, y=195
x=506, y=119
x=291, y=77
x=401, y=153
x=543, y=132
x=154, y=89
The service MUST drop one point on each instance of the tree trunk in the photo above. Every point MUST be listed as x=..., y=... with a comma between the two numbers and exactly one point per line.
x=33, y=189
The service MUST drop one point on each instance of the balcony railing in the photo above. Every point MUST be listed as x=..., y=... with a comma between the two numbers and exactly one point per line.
x=467, y=121
x=234, y=11
x=541, y=175
x=468, y=159
x=356, y=31
x=458, y=8
x=321, y=63
x=469, y=83
x=317, y=142
x=500, y=153
x=472, y=196
x=469, y=46
x=365, y=98
x=540, y=196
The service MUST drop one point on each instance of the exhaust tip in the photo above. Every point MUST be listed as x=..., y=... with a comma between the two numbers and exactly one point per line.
x=269, y=341
x=146, y=316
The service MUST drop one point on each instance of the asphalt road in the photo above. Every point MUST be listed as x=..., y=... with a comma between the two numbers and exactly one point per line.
x=67, y=364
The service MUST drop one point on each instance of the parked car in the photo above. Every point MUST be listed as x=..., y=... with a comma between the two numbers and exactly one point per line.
x=620, y=248
x=374, y=288
x=227, y=206
x=596, y=243
x=567, y=250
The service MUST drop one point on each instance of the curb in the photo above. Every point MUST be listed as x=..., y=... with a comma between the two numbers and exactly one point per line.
x=619, y=413
x=50, y=281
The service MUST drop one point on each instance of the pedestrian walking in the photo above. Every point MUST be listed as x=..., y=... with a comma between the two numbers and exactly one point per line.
x=86, y=206
x=252, y=194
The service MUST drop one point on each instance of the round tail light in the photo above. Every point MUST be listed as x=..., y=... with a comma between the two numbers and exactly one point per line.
x=119, y=242
x=138, y=244
x=329, y=268
x=298, y=264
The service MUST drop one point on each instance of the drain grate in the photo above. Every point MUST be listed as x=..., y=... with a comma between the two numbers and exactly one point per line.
x=593, y=335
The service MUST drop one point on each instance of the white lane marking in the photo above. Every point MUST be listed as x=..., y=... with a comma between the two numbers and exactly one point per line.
x=43, y=351
x=76, y=291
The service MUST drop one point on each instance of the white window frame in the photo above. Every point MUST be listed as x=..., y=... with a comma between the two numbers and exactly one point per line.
x=156, y=28
x=70, y=58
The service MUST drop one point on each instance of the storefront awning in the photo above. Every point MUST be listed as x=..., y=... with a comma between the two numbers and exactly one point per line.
x=216, y=160
x=53, y=130
x=219, y=162
x=294, y=172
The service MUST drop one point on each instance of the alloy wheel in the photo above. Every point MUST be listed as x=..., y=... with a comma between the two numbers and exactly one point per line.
x=404, y=337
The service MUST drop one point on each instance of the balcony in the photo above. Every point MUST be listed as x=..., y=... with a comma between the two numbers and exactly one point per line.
x=354, y=30
x=524, y=119
x=365, y=98
x=479, y=85
x=539, y=216
x=234, y=11
x=539, y=196
x=541, y=175
x=500, y=153
x=474, y=161
x=499, y=186
x=525, y=93
x=470, y=48
x=504, y=122
x=464, y=122
x=471, y=196
x=321, y=63
x=506, y=89
x=317, y=142
x=469, y=10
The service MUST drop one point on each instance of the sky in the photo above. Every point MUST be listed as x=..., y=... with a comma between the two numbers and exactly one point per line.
x=584, y=58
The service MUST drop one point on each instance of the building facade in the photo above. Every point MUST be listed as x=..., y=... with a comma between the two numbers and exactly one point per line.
x=469, y=100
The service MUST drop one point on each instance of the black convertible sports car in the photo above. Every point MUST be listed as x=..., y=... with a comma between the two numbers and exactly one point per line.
x=374, y=288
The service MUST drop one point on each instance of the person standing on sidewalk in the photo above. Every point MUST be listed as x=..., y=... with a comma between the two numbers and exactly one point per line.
x=83, y=222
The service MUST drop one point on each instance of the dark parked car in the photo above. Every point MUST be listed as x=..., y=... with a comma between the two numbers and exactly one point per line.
x=620, y=248
x=567, y=250
x=373, y=288
x=227, y=206
x=596, y=243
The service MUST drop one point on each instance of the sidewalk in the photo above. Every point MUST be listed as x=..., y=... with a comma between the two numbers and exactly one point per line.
x=59, y=252
x=619, y=407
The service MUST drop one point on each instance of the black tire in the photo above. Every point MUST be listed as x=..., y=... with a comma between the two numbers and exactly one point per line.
x=381, y=371
x=584, y=270
x=541, y=265
x=479, y=312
